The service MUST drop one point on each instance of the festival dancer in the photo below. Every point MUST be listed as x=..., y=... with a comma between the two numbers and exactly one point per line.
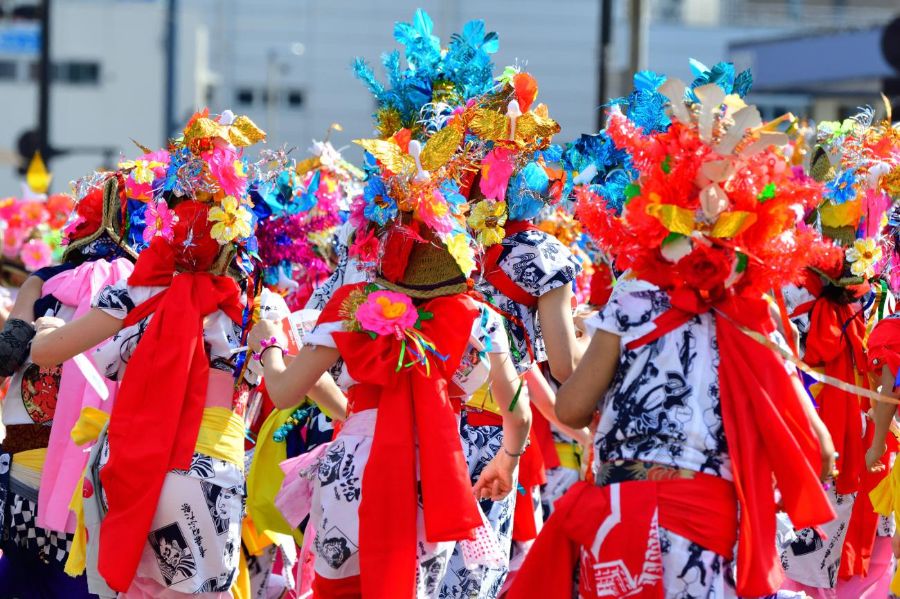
x=415, y=334
x=834, y=308
x=170, y=463
x=41, y=464
x=698, y=409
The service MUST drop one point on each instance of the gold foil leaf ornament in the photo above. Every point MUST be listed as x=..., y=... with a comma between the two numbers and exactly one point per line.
x=243, y=132
x=388, y=153
x=309, y=164
x=732, y=224
x=531, y=127
x=674, y=218
x=490, y=125
x=389, y=122
x=201, y=128
x=440, y=147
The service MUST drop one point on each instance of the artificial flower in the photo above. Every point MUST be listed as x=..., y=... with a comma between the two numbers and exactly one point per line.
x=232, y=221
x=386, y=312
x=842, y=188
x=380, y=207
x=434, y=212
x=159, y=221
x=36, y=254
x=365, y=247
x=225, y=165
x=705, y=268
x=496, y=169
x=863, y=256
x=458, y=246
x=488, y=218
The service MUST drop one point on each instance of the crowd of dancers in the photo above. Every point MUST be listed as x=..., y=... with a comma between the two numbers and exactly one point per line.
x=658, y=361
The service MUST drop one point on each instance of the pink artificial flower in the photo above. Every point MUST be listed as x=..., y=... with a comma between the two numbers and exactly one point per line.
x=496, y=169
x=145, y=169
x=36, y=254
x=225, y=165
x=365, y=247
x=387, y=312
x=434, y=212
x=160, y=221
x=357, y=209
x=72, y=225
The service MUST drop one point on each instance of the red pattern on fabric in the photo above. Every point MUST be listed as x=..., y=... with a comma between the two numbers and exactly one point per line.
x=154, y=423
x=702, y=509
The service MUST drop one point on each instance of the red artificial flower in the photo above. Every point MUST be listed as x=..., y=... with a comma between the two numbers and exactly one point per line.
x=195, y=249
x=705, y=268
x=89, y=212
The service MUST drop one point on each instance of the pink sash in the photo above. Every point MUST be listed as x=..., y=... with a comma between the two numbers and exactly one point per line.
x=66, y=461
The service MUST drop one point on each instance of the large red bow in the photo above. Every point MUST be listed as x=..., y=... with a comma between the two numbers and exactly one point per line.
x=766, y=428
x=156, y=418
x=413, y=408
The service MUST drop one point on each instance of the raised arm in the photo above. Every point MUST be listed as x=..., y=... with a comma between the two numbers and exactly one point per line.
x=17, y=330
x=883, y=415
x=544, y=399
x=577, y=399
x=285, y=383
x=558, y=329
x=57, y=341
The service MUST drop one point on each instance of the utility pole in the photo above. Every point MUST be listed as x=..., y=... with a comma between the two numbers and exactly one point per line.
x=44, y=74
x=636, y=36
x=170, y=83
x=605, y=27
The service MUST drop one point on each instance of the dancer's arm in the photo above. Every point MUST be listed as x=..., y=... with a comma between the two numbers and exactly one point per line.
x=328, y=395
x=558, y=330
x=576, y=400
x=543, y=398
x=285, y=383
x=883, y=414
x=57, y=341
x=497, y=479
x=17, y=329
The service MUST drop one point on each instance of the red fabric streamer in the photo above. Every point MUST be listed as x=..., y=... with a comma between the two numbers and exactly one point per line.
x=768, y=433
x=835, y=343
x=884, y=346
x=413, y=408
x=532, y=473
x=156, y=418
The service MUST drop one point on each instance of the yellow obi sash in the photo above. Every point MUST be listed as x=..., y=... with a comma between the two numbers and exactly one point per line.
x=27, y=466
x=569, y=455
x=886, y=501
x=483, y=400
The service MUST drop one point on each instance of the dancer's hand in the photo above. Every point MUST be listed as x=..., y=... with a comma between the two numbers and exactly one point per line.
x=498, y=478
x=48, y=323
x=895, y=544
x=264, y=330
x=873, y=457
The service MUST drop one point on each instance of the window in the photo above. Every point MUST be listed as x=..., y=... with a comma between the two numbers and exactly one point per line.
x=7, y=70
x=295, y=98
x=244, y=96
x=75, y=72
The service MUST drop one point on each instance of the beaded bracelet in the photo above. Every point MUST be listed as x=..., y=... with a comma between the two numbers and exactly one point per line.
x=264, y=345
x=299, y=415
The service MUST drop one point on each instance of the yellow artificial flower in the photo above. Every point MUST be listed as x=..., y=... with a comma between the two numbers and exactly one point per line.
x=232, y=221
x=488, y=218
x=143, y=169
x=459, y=248
x=863, y=256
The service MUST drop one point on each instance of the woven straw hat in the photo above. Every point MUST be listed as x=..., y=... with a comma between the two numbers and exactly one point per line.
x=430, y=272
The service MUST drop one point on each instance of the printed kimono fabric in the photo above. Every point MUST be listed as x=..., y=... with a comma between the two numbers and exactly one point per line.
x=335, y=512
x=481, y=444
x=812, y=560
x=195, y=538
x=559, y=480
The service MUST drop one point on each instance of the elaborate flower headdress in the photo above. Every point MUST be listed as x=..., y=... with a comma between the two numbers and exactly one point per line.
x=516, y=177
x=594, y=160
x=299, y=207
x=715, y=207
x=31, y=229
x=195, y=193
x=435, y=81
x=859, y=161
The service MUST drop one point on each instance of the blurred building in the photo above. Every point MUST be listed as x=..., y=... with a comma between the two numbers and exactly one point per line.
x=287, y=63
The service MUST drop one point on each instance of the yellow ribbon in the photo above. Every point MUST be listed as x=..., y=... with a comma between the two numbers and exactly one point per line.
x=483, y=400
x=569, y=455
x=731, y=224
x=886, y=501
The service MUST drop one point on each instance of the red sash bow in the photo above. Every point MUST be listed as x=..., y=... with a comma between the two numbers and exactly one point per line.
x=156, y=418
x=413, y=408
x=766, y=428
